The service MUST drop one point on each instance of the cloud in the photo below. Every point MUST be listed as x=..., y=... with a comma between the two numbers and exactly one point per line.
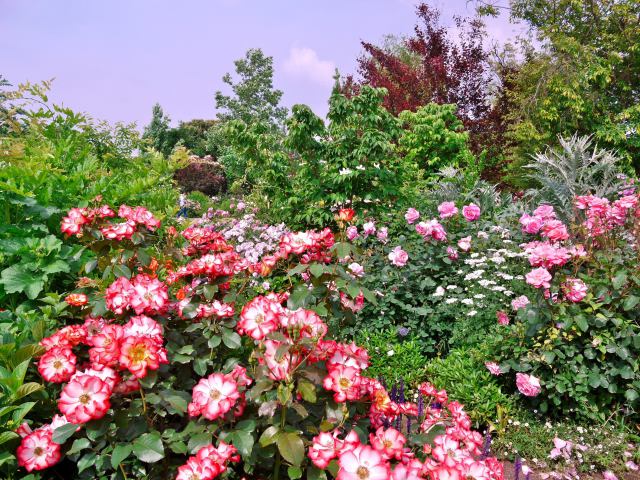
x=304, y=62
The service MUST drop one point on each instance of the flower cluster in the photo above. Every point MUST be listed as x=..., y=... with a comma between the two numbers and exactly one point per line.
x=77, y=218
x=208, y=463
x=135, y=347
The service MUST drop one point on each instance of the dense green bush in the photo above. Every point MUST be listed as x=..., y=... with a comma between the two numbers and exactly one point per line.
x=463, y=375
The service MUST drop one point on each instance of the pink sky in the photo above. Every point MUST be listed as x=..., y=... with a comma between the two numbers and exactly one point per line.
x=114, y=59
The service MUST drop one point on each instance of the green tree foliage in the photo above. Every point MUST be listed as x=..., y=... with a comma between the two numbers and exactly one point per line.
x=157, y=132
x=585, y=77
x=253, y=102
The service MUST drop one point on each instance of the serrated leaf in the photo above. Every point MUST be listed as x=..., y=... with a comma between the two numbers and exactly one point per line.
x=78, y=445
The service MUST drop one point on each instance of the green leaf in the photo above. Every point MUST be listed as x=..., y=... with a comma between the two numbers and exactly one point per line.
x=199, y=440
x=630, y=302
x=291, y=447
x=269, y=436
x=56, y=266
x=78, y=445
x=120, y=453
x=307, y=390
x=294, y=473
x=231, y=339
x=582, y=323
x=314, y=473
x=63, y=433
x=243, y=441
x=619, y=280
x=86, y=461
x=316, y=269
x=7, y=436
x=17, y=280
x=148, y=447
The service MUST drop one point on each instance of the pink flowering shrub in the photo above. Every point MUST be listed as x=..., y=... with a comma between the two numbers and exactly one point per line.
x=576, y=338
x=175, y=366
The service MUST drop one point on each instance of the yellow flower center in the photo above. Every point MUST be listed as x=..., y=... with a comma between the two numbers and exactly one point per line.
x=215, y=395
x=57, y=364
x=138, y=353
x=362, y=472
x=345, y=383
x=38, y=451
x=84, y=398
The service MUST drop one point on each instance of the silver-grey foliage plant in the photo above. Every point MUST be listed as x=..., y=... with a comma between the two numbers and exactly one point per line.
x=576, y=168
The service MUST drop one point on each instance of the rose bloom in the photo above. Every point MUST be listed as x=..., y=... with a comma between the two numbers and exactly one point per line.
x=344, y=381
x=465, y=244
x=471, y=212
x=390, y=442
x=346, y=214
x=258, y=318
x=324, y=448
x=213, y=396
x=555, y=230
x=382, y=234
x=531, y=223
x=447, y=209
x=352, y=232
x=356, y=269
x=452, y=253
x=139, y=354
x=76, y=299
x=362, y=463
x=369, y=228
x=575, y=289
x=503, y=318
x=546, y=212
x=493, y=367
x=520, y=302
x=412, y=215
x=539, y=278
x=84, y=398
x=398, y=257
x=528, y=385
x=57, y=365
x=38, y=451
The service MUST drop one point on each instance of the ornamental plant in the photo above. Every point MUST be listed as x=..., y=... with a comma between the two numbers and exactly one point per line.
x=577, y=337
x=174, y=366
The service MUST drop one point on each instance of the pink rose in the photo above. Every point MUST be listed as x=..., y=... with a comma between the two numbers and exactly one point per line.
x=352, y=232
x=520, y=302
x=448, y=209
x=452, y=253
x=465, y=244
x=531, y=224
x=382, y=234
x=369, y=228
x=503, y=318
x=412, y=215
x=555, y=230
x=574, y=289
x=471, y=212
x=494, y=368
x=398, y=257
x=545, y=212
x=357, y=270
x=539, y=278
x=528, y=385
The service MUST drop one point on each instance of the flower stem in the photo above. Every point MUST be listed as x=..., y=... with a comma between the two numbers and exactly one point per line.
x=144, y=403
x=283, y=421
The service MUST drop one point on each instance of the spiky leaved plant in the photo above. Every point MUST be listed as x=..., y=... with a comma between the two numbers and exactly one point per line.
x=573, y=169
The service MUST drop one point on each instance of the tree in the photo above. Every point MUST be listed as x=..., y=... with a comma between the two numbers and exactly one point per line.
x=584, y=79
x=254, y=106
x=432, y=67
x=254, y=98
x=157, y=132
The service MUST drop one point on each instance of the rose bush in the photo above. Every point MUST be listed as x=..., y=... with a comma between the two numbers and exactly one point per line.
x=174, y=365
x=580, y=333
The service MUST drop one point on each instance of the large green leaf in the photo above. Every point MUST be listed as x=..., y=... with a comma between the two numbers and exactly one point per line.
x=120, y=453
x=148, y=447
x=18, y=280
x=291, y=447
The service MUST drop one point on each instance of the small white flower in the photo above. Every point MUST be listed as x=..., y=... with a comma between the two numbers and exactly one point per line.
x=390, y=353
x=439, y=292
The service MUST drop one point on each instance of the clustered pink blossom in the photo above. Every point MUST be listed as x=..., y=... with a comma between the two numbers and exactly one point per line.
x=398, y=257
x=528, y=384
x=209, y=462
x=77, y=218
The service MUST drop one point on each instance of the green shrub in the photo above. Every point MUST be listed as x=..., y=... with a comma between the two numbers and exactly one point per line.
x=463, y=374
x=393, y=357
